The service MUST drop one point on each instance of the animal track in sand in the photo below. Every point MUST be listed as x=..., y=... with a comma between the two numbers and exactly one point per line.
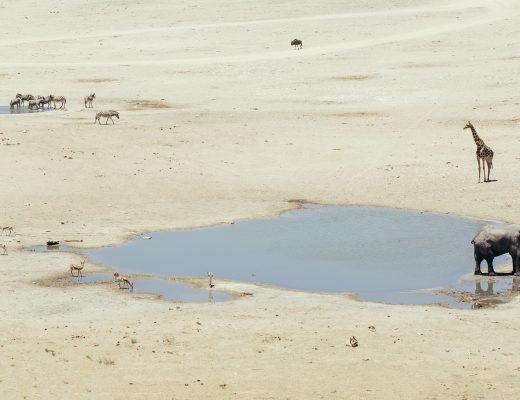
x=97, y=80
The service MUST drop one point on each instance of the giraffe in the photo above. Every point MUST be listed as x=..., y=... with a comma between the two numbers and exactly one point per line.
x=484, y=152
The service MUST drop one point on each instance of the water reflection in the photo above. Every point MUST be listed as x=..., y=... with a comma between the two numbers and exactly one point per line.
x=21, y=110
x=169, y=290
x=479, y=292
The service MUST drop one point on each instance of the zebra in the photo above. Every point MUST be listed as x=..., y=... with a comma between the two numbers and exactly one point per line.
x=106, y=114
x=61, y=99
x=45, y=100
x=88, y=100
x=297, y=43
x=15, y=102
x=24, y=98
x=34, y=103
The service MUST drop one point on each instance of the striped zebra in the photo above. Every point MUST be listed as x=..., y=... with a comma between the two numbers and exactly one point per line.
x=106, y=114
x=45, y=100
x=61, y=99
x=24, y=98
x=34, y=104
x=88, y=100
x=15, y=102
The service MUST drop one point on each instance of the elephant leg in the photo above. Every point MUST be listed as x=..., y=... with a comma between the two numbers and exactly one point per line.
x=516, y=265
x=489, y=261
x=514, y=259
x=478, y=261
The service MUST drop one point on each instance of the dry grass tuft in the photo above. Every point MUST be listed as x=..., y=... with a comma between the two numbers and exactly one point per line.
x=357, y=114
x=353, y=77
x=147, y=104
x=106, y=361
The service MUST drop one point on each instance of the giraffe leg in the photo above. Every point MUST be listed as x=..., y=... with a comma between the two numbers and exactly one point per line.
x=484, y=169
x=478, y=161
x=489, y=164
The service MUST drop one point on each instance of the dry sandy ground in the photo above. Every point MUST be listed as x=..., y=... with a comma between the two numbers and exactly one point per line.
x=221, y=120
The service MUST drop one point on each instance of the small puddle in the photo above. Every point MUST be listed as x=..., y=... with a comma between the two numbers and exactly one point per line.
x=382, y=255
x=168, y=290
x=21, y=110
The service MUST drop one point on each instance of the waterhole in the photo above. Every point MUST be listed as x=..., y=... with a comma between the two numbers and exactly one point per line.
x=379, y=254
x=21, y=110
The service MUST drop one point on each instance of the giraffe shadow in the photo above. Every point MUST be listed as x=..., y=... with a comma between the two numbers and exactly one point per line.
x=491, y=180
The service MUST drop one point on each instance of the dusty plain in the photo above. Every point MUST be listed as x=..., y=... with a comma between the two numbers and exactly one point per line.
x=222, y=120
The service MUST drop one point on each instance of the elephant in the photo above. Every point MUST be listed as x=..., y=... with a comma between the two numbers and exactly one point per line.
x=491, y=242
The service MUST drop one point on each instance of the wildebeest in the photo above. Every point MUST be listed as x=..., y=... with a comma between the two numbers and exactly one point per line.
x=297, y=43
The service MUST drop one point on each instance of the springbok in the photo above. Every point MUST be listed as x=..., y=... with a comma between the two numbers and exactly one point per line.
x=88, y=100
x=297, y=43
x=123, y=280
x=15, y=102
x=4, y=247
x=106, y=114
x=61, y=99
x=8, y=229
x=24, y=98
x=78, y=268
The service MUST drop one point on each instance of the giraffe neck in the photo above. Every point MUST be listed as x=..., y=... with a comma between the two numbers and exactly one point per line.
x=478, y=141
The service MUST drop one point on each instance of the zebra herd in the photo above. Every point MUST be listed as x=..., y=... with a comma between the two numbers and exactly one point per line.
x=37, y=102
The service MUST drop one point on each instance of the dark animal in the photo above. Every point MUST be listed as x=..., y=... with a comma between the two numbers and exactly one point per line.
x=492, y=242
x=297, y=43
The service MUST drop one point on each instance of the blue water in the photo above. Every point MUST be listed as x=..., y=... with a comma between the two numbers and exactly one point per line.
x=21, y=110
x=168, y=290
x=379, y=254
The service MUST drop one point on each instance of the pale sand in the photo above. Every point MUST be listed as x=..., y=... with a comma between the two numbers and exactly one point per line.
x=221, y=120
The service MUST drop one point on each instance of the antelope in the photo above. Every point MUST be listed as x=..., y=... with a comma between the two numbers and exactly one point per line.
x=8, y=229
x=15, y=102
x=61, y=99
x=106, y=114
x=123, y=280
x=3, y=246
x=88, y=100
x=78, y=268
x=24, y=98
